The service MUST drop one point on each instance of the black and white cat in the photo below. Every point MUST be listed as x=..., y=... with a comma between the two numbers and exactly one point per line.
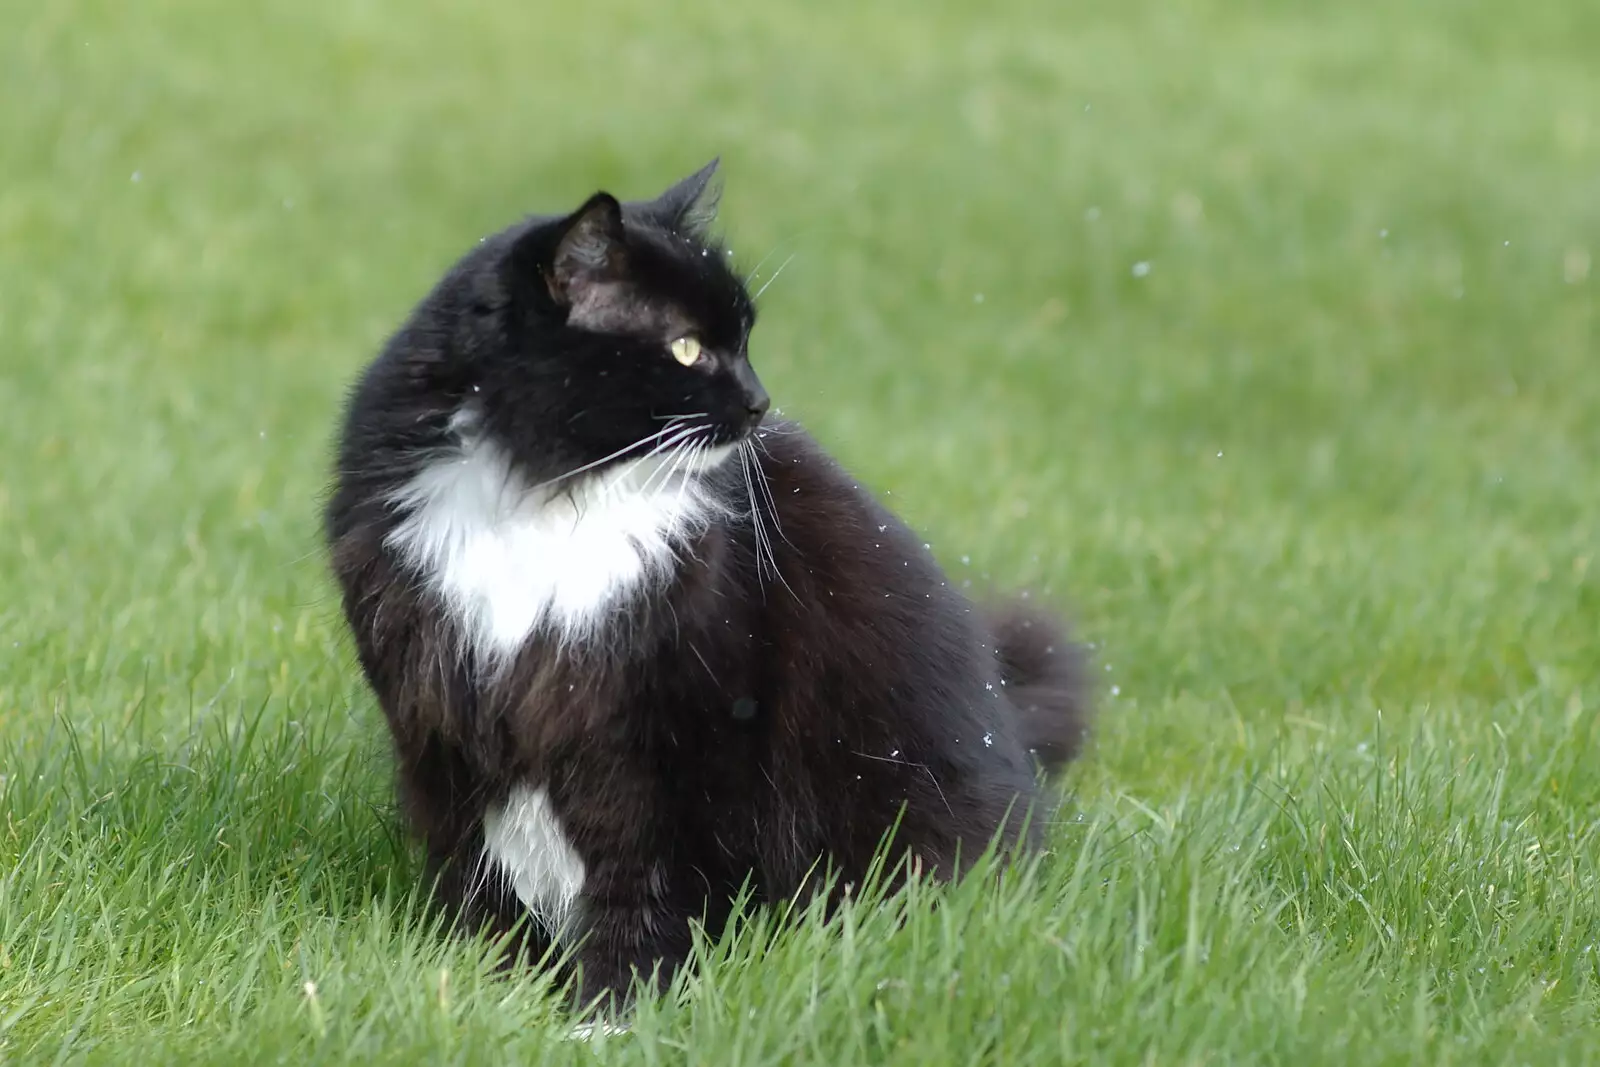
x=638, y=646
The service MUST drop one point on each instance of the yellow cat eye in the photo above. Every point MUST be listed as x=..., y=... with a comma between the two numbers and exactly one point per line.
x=686, y=350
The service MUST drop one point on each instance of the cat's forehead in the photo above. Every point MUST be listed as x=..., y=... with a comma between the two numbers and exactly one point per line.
x=676, y=286
x=625, y=307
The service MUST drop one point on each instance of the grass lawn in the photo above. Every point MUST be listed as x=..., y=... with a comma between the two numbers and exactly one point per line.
x=1262, y=334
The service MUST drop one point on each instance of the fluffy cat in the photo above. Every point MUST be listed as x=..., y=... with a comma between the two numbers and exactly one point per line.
x=637, y=644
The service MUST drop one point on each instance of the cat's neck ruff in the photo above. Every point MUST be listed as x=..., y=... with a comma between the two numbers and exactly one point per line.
x=509, y=561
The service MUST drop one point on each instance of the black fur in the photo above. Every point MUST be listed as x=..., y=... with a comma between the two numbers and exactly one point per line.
x=742, y=719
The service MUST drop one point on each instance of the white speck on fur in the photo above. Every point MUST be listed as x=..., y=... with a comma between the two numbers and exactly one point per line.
x=508, y=559
x=523, y=840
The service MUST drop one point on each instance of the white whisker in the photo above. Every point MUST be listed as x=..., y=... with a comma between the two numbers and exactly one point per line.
x=772, y=502
x=774, y=277
x=763, y=542
x=748, y=278
x=755, y=522
x=691, y=460
x=667, y=466
x=663, y=432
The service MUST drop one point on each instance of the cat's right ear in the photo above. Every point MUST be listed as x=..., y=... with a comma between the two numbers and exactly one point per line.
x=690, y=206
x=590, y=250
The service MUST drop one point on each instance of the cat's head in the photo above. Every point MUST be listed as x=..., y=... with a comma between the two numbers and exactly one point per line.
x=599, y=336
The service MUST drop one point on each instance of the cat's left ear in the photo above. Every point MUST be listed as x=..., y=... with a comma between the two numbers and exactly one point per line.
x=590, y=250
x=690, y=206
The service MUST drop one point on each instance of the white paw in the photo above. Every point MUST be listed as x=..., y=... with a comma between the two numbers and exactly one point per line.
x=590, y=1031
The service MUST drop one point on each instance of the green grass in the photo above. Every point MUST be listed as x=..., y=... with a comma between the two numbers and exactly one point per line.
x=1323, y=485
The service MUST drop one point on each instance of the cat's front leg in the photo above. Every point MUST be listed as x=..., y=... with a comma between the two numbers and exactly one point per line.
x=630, y=927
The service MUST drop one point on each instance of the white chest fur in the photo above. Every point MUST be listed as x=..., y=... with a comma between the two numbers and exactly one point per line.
x=523, y=843
x=508, y=560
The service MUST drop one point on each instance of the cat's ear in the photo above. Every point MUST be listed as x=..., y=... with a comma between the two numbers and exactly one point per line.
x=590, y=250
x=690, y=206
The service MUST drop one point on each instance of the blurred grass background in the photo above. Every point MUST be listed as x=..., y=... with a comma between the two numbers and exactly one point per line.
x=1261, y=334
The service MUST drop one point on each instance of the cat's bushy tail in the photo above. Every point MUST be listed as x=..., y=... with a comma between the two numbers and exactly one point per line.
x=1047, y=676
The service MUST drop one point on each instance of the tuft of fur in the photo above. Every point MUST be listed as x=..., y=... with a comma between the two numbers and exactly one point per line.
x=1046, y=674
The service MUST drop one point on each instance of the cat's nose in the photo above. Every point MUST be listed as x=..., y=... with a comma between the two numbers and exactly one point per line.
x=756, y=406
x=756, y=400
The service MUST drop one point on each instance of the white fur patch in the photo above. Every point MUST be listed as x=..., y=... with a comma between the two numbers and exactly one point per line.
x=523, y=840
x=508, y=559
